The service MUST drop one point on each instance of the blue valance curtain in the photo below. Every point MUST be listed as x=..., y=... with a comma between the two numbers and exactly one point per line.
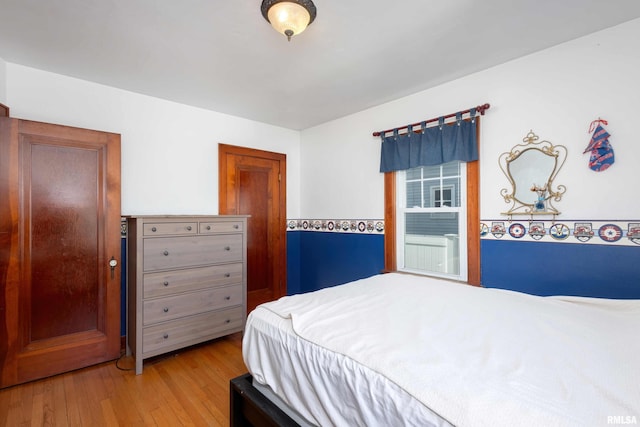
x=429, y=146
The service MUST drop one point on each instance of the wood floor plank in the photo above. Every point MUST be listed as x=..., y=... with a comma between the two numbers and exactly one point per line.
x=136, y=386
x=164, y=416
x=4, y=410
x=108, y=414
x=8, y=415
x=37, y=410
x=169, y=397
x=25, y=400
x=189, y=395
x=186, y=388
x=55, y=402
x=72, y=401
x=90, y=394
x=125, y=399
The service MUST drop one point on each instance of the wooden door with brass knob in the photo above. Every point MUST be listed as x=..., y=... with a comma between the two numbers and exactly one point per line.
x=59, y=249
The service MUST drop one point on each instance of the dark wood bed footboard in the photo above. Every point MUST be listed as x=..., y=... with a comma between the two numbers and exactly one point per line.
x=249, y=407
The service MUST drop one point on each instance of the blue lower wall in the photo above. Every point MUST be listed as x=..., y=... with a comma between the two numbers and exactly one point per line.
x=604, y=271
x=123, y=287
x=293, y=263
x=317, y=260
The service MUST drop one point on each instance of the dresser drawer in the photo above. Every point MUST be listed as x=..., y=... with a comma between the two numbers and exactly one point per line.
x=220, y=227
x=191, y=251
x=170, y=228
x=193, y=279
x=171, y=335
x=173, y=307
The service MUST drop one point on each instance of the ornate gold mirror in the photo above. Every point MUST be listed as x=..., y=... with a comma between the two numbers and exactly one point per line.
x=531, y=168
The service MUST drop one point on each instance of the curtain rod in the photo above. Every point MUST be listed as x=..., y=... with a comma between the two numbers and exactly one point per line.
x=480, y=109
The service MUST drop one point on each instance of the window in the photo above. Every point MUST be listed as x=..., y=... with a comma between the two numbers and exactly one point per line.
x=468, y=202
x=431, y=220
x=442, y=196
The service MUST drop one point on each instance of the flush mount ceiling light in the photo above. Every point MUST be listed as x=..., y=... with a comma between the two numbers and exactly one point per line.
x=289, y=17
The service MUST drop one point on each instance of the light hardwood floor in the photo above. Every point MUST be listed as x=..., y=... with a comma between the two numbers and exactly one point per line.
x=186, y=388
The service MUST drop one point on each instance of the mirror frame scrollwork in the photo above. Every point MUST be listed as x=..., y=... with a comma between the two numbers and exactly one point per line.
x=546, y=193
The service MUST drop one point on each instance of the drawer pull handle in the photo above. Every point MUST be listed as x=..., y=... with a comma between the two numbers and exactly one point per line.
x=166, y=309
x=166, y=283
x=188, y=228
x=165, y=336
x=165, y=253
x=236, y=226
x=227, y=298
x=208, y=227
x=154, y=229
x=227, y=248
x=227, y=321
x=227, y=274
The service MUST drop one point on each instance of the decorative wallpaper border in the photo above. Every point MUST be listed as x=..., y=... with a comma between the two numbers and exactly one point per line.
x=618, y=232
x=601, y=232
x=360, y=226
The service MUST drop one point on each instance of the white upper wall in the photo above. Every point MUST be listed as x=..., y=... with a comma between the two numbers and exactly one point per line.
x=3, y=82
x=556, y=93
x=169, y=150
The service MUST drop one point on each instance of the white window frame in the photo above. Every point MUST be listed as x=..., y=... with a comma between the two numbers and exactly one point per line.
x=401, y=210
x=441, y=188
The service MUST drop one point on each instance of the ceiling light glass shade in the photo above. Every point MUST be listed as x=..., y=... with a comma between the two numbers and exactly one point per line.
x=289, y=17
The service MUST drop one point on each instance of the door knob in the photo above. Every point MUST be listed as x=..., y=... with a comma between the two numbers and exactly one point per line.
x=112, y=265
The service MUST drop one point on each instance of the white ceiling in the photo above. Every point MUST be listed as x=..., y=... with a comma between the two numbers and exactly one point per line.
x=222, y=55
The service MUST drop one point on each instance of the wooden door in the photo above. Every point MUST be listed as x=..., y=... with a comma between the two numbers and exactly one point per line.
x=59, y=229
x=252, y=182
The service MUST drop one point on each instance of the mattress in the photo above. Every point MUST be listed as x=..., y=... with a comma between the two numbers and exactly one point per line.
x=397, y=349
x=320, y=387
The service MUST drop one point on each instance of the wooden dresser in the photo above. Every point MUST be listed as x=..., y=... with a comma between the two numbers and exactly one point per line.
x=187, y=281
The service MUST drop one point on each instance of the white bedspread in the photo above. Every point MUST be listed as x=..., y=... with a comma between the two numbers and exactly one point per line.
x=483, y=357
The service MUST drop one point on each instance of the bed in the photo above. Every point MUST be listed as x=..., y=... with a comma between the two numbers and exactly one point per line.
x=397, y=349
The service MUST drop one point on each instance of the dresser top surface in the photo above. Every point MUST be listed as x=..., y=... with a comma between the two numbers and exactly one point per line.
x=183, y=217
